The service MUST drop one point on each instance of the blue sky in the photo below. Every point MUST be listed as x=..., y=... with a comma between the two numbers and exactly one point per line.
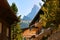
x=25, y=6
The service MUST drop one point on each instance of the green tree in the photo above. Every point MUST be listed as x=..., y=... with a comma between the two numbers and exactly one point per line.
x=15, y=29
x=14, y=8
x=51, y=12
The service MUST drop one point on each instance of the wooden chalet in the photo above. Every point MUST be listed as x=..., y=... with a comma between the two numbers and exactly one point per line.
x=32, y=31
x=36, y=18
x=7, y=18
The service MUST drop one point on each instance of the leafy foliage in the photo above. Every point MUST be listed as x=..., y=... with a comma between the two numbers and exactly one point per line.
x=14, y=7
x=51, y=17
x=16, y=32
x=50, y=9
x=15, y=29
x=44, y=20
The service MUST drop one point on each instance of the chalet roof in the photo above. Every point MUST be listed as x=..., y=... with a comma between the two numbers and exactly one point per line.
x=36, y=17
x=6, y=13
x=29, y=33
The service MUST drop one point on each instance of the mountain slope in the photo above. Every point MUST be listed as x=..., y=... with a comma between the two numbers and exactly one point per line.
x=27, y=19
x=33, y=12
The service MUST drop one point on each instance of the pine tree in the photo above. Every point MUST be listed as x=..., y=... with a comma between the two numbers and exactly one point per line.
x=14, y=8
x=15, y=29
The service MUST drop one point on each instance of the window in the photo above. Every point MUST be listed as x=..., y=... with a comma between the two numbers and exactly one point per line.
x=0, y=27
x=7, y=32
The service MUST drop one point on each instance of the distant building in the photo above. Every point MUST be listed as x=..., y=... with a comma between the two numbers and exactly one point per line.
x=7, y=18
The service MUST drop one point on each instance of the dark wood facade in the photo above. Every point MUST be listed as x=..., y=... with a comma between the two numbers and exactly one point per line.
x=7, y=18
x=37, y=17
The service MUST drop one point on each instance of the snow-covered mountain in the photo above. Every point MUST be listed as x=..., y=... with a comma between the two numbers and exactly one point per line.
x=33, y=12
x=24, y=24
x=27, y=19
